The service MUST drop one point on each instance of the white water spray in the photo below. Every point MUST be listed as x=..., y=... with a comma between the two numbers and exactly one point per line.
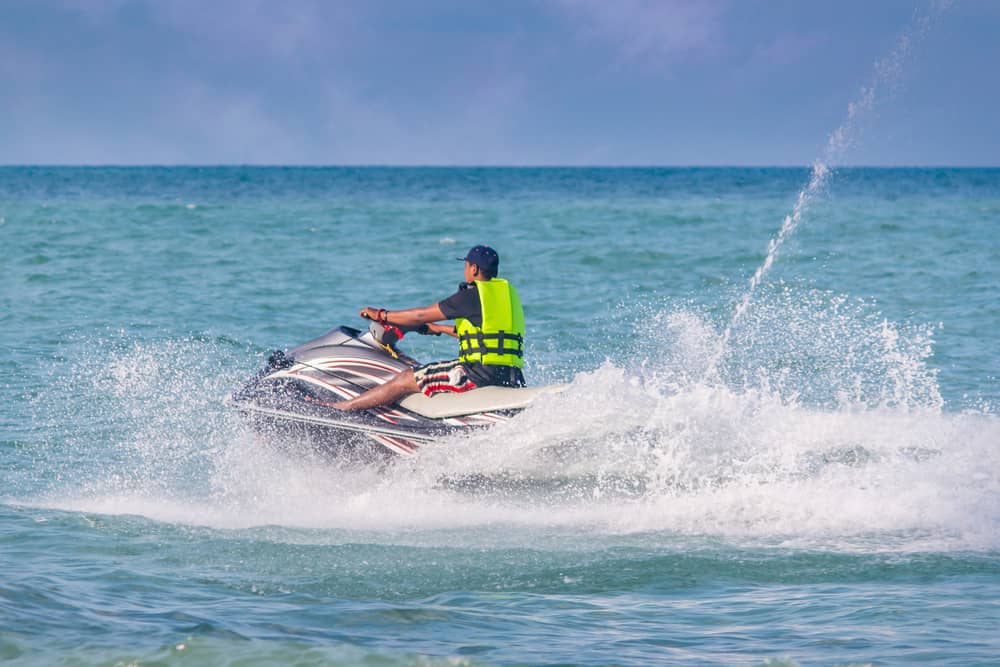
x=887, y=74
x=614, y=454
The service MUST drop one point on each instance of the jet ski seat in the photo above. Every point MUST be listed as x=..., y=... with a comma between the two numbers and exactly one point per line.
x=484, y=399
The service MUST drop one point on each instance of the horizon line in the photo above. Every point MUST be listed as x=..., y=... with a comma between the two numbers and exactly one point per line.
x=255, y=165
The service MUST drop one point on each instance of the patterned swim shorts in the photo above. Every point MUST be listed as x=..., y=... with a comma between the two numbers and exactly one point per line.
x=444, y=376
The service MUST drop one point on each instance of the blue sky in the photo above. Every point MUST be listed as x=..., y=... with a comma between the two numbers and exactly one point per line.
x=510, y=82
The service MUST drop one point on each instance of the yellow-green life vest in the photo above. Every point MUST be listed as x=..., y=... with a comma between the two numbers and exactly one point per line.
x=500, y=341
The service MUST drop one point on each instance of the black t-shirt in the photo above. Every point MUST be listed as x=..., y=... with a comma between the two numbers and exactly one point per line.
x=464, y=303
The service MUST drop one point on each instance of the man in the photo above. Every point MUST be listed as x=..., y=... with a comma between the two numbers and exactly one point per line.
x=489, y=325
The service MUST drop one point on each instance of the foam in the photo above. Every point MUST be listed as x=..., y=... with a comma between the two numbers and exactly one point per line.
x=853, y=450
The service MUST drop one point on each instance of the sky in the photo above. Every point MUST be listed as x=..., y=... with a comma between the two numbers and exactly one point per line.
x=501, y=82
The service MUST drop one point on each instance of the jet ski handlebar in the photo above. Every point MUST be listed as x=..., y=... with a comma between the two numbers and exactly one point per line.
x=390, y=334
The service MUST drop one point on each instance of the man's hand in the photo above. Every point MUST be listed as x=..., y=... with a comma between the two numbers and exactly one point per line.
x=437, y=329
x=375, y=314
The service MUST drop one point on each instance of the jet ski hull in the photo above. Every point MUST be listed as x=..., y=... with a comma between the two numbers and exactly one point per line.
x=285, y=400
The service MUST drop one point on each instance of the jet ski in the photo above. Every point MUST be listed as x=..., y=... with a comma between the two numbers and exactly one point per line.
x=285, y=398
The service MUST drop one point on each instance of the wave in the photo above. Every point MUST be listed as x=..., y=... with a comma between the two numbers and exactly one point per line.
x=824, y=428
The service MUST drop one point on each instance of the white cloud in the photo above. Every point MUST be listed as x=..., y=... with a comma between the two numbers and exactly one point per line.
x=472, y=128
x=276, y=29
x=233, y=126
x=656, y=32
x=282, y=29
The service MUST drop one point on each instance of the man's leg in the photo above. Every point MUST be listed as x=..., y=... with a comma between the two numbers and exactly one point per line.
x=397, y=387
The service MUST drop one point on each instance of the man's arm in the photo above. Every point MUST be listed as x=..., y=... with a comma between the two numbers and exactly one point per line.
x=411, y=317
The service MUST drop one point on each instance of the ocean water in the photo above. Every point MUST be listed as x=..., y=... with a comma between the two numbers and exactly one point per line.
x=816, y=482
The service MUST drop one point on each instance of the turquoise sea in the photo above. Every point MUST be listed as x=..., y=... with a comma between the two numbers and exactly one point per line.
x=816, y=482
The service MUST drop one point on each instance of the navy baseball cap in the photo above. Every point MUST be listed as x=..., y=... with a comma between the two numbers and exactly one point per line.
x=484, y=257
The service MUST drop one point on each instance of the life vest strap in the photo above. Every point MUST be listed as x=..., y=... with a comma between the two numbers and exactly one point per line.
x=482, y=347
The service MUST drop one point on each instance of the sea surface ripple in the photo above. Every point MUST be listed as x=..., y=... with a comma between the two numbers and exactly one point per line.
x=829, y=495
